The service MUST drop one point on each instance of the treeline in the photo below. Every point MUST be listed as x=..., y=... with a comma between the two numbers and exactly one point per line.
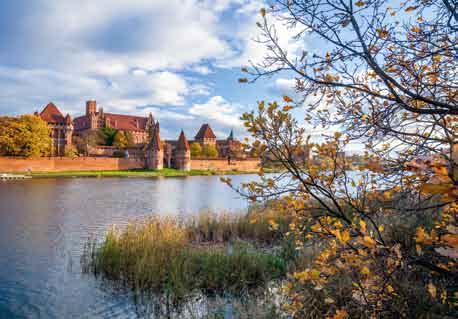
x=26, y=135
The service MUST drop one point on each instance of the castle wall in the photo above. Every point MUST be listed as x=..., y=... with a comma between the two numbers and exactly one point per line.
x=60, y=164
x=250, y=164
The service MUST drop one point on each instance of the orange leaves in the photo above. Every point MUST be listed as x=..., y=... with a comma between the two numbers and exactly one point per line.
x=411, y=8
x=340, y=314
x=287, y=99
x=415, y=29
x=382, y=33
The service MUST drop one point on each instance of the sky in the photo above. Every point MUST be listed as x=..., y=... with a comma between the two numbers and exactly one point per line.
x=179, y=59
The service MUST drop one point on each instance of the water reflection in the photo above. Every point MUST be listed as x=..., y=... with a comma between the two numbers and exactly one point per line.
x=45, y=222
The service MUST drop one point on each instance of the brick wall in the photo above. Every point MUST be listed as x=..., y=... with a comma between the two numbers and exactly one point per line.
x=58, y=164
x=222, y=164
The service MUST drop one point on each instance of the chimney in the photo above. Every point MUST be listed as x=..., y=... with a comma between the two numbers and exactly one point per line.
x=137, y=123
x=91, y=107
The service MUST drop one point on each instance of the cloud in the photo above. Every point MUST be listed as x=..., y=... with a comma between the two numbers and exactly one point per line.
x=218, y=110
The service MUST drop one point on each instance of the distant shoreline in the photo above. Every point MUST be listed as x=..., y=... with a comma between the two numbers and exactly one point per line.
x=141, y=173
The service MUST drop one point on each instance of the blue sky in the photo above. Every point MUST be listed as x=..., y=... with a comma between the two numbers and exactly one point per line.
x=179, y=59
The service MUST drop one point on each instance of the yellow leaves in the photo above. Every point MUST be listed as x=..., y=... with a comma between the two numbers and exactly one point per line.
x=337, y=135
x=415, y=29
x=362, y=223
x=365, y=271
x=432, y=290
x=344, y=236
x=420, y=235
x=360, y=3
x=381, y=228
x=307, y=275
x=261, y=106
x=368, y=242
x=287, y=99
x=273, y=224
x=389, y=288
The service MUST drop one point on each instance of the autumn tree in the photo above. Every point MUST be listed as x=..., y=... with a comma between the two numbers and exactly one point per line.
x=120, y=140
x=386, y=77
x=27, y=135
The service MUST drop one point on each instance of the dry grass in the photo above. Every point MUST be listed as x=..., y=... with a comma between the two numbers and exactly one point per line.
x=209, y=254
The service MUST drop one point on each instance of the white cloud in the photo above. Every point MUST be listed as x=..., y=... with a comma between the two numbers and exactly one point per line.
x=217, y=109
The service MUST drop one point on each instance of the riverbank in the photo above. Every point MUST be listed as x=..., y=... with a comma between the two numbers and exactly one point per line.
x=144, y=173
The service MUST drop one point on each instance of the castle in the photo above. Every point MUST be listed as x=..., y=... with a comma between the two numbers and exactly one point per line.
x=145, y=132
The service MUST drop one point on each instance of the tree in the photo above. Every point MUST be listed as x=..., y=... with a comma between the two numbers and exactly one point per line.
x=386, y=236
x=27, y=135
x=120, y=140
x=196, y=149
x=210, y=151
x=107, y=135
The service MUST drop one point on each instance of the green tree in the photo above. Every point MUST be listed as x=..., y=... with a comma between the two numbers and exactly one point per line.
x=107, y=135
x=210, y=151
x=120, y=140
x=27, y=135
x=196, y=149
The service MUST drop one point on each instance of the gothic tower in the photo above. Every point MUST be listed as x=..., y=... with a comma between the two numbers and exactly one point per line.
x=155, y=152
x=183, y=154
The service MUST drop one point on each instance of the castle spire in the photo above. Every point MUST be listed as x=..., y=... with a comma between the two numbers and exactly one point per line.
x=183, y=144
x=231, y=135
x=156, y=138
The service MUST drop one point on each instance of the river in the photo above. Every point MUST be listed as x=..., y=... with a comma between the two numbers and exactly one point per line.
x=44, y=224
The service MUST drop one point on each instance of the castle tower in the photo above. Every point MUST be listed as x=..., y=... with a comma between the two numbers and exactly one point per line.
x=68, y=133
x=205, y=136
x=183, y=154
x=91, y=107
x=155, y=152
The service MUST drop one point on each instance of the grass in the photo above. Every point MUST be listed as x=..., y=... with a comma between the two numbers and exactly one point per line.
x=209, y=255
x=166, y=172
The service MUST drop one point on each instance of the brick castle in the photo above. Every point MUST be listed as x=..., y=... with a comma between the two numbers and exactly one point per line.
x=145, y=132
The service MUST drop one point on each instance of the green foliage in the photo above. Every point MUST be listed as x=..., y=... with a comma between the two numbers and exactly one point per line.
x=107, y=135
x=210, y=151
x=27, y=135
x=196, y=149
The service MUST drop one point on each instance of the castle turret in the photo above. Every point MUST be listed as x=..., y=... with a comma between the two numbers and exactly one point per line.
x=183, y=153
x=155, y=152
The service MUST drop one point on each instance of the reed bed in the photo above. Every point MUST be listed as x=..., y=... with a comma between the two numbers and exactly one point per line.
x=209, y=254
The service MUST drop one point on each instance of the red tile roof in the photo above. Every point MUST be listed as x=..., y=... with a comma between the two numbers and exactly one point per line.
x=205, y=132
x=126, y=122
x=182, y=144
x=116, y=121
x=51, y=114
